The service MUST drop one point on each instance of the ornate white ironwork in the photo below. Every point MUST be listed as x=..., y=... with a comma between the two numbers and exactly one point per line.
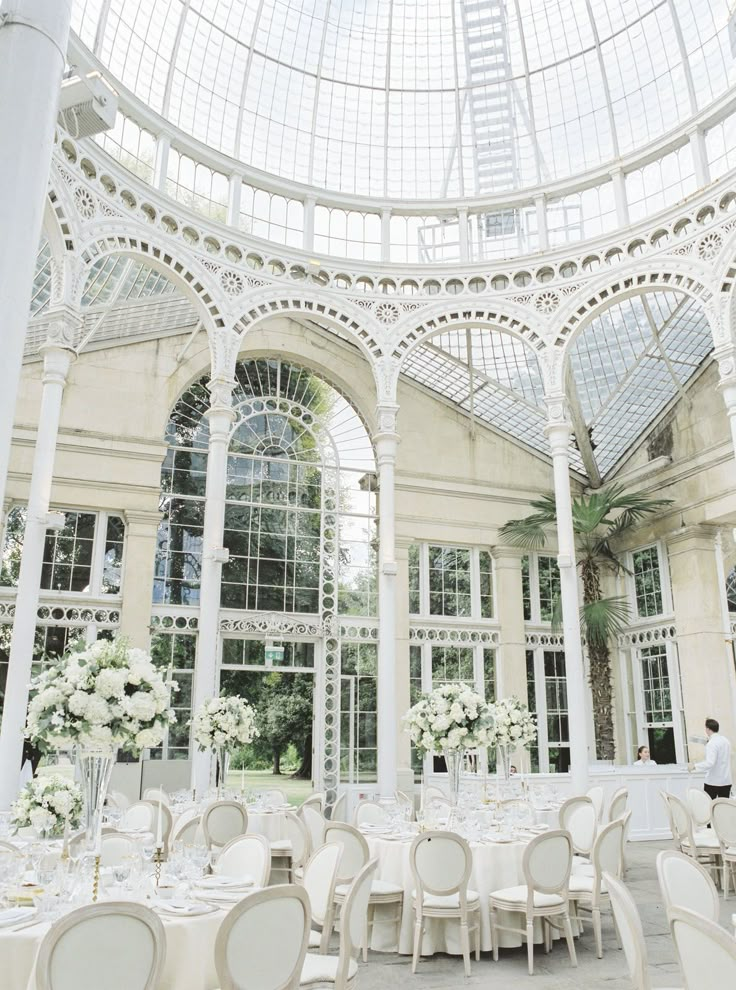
x=464, y=636
x=647, y=635
x=543, y=637
x=272, y=624
x=174, y=621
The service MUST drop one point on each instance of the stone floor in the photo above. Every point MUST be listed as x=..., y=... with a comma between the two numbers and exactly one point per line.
x=553, y=972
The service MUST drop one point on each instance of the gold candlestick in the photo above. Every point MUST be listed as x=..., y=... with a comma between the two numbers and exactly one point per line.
x=96, y=880
x=158, y=858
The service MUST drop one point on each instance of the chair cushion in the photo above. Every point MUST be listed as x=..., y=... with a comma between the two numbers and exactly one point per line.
x=378, y=887
x=448, y=902
x=707, y=839
x=580, y=861
x=583, y=884
x=281, y=845
x=517, y=895
x=323, y=969
x=315, y=939
x=583, y=870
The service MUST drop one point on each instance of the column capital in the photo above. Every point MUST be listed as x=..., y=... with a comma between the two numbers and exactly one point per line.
x=65, y=324
x=57, y=359
x=508, y=556
x=558, y=429
x=702, y=533
x=221, y=414
x=143, y=521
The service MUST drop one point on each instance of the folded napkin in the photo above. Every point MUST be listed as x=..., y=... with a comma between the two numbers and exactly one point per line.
x=218, y=882
x=183, y=908
x=15, y=916
x=230, y=896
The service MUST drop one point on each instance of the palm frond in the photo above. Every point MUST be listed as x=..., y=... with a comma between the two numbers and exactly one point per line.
x=601, y=550
x=602, y=619
x=529, y=533
x=631, y=506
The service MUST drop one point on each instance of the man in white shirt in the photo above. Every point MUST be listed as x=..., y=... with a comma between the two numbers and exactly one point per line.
x=717, y=762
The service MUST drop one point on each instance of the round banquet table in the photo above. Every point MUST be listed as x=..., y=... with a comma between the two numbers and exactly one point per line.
x=270, y=823
x=495, y=865
x=190, y=953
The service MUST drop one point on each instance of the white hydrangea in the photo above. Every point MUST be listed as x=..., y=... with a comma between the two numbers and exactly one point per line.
x=514, y=726
x=224, y=722
x=46, y=804
x=110, y=683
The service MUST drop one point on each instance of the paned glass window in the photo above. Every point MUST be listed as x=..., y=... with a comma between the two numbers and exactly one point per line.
x=452, y=664
x=549, y=586
x=252, y=653
x=415, y=602
x=658, y=709
x=531, y=691
x=449, y=581
x=358, y=712
x=174, y=654
x=67, y=554
x=489, y=674
x=415, y=693
x=558, y=729
x=647, y=582
x=113, y=560
x=486, y=584
x=526, y=588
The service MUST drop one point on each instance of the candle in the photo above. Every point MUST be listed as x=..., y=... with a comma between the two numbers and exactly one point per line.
x=65, y=844
x=242, y=778
x=98, y=837
x=159, y=821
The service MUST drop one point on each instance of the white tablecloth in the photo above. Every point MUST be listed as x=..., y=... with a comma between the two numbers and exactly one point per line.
x=495, y=866
x=190, y=954
x=271, y=824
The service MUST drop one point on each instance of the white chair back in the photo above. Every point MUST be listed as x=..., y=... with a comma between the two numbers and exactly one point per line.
x=369, y=813
x=685, y=883
x=320, y=875
x=223, y=821
x=114, y=848
x=353, y=921
x=354, y=849
x=547, y=862
x=262, y=942
x=8, y=849
x=315, y=822
x=630, y=931
x=316, y=800
x=245, y=856
x=619, y=801
x=723, y=818
x=118, y=800
x=441, y=863
x=405, y=803
x=707, y=954
x=189, y=830
x=682, y=822
x=431, y=791
x=340, y=809
x=120, y=946
x=138, y=816
x=274, y=798
x=596, y=796
x=699, y=804
x=607, y=850
x=156, y=794
x=298, y=835
x=579, y=817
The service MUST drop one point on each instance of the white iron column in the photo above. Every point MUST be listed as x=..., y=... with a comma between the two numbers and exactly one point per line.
x=386, y=440
x=57, y=360
x=558, y=432
x=33, y=38
x=726, y=357
x=220, y=417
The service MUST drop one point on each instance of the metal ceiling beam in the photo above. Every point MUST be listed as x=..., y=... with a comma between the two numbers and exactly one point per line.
x=657, y=337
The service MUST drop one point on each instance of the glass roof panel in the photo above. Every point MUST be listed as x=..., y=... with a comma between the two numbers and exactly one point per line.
x=41, y=279
x=417, y=98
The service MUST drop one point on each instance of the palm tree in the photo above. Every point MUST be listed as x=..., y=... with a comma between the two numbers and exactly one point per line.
x=598, y=519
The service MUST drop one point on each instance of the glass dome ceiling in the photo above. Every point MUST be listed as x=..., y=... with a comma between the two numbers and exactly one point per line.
x=424, y=99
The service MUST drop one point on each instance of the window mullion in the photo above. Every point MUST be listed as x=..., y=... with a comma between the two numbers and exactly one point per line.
x=98, y=554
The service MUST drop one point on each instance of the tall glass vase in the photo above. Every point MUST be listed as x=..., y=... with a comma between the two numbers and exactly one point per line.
x=503, y=762
x=94, y=771
x=222, y=756
x=454, y=762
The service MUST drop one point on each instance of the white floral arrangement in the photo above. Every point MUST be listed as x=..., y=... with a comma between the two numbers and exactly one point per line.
x=451, y=717
x=46, y=804
x=514, y=725
x=104, y=696
x=224, y=722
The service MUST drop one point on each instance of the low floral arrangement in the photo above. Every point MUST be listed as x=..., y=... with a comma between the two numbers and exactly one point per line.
x=46, y=804
x=514, y=726
x=221, y=723
x=105, y=696
x=451, y=717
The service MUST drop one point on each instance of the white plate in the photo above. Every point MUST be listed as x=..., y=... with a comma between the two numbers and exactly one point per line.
x=223, y=896
x=181, y=909
x=225, y=883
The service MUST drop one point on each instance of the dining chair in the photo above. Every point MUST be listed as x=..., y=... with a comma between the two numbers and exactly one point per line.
x=320, y=876
x=116, y=847
x=579, y=817
x=546, y=865
x=293, y=849
x=355, y=854
x=441, y=863
x=589, y=892
x=262, y=942
x=431, y=791
x=8, y=849
x=156, y=794
x=340, y=809
x=274, y=797
x=700, y=805
x=223, y=821
x=406, y=803
x=138, y=815
x=245, y=856
x=706, y=953
x=118, y=945
x=316, y=800
x=117, y=800
x=314, y=820
x=188, y=831
x=686, y=883
x=341, y=971
x=619, y=801
x=631, y=933
x=724, y=825
x=369, y=813
x=702, y=845
x=596, y=796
